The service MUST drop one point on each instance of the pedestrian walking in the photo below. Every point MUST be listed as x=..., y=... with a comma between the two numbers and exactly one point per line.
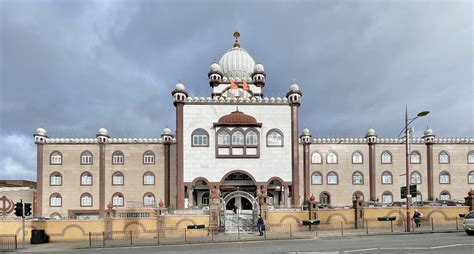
x=260, y=225
x=417, y=218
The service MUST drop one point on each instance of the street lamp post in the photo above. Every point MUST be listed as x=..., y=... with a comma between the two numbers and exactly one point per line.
x=408, y=121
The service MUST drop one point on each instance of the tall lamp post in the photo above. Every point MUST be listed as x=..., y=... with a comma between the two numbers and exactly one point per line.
x=408, y=121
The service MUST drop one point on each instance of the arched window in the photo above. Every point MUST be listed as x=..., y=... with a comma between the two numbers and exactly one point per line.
x=443, y=157
x=251, y=138
x=445, y=195
x=148, y=157
x=274, y=138
x=386, y=157
x=55, y=216
x=324, y=198
x=415, y=178
x=470, y=157
x=223, y=137
x=444, y=178
x=331, y=158
x=117, y=178
x=470, y=177
x=148, y=178
x=387, y=197
x=419, y=197
x=316, y=158
x=332, y=178
x=86, y=178
x=56, y=158
x=205, y=198
x=357, y=178
x=415, y=157
x=237, y=138
x=86, y=158
x=118, y=199
x=200, y=137
x=149, y=199
x=56, y=179
x=86, y=199
x=118, y=158
x=317, y=178
x=387, y=178
x=357, y=158
x=55, y=200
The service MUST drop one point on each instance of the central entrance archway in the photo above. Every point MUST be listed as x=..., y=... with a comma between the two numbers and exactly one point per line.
x=235, y=217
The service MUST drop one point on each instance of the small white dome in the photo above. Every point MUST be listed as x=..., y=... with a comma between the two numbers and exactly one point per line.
x=428, y=132
x=167, y=131
x=258, y=68
x=370, y=132
x=215, y=67
x=103, y=131
x=41, y=131
x=180, y=87
x=306, y=131
x=294, y=87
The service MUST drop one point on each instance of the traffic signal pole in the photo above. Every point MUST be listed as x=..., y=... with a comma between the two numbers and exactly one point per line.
x=23, y=223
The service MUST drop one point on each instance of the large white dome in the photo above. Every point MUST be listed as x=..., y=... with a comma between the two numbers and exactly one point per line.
x=237, y=63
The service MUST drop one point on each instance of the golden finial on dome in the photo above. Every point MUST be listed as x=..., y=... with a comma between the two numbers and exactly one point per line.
x=236, y=43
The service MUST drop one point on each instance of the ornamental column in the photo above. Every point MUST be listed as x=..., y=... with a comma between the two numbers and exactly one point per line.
x=40, y=139
x=102, y=138
x=429, y=140
x=371, y=139
x=306, y=140
x=167, y=139
x=294, y=99
x=179, y=97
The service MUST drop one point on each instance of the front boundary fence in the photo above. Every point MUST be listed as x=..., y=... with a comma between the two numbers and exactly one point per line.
x=8, y=242
x=273, y=231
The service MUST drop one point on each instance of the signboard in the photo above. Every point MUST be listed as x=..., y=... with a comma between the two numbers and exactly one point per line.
x=412, y=191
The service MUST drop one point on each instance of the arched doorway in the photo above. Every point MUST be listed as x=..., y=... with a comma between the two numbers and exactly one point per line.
x=235, y=218
x=324, y=198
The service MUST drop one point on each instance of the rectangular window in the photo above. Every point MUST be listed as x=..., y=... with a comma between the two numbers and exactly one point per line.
x=444, y=179
x=317, y=179
x=149, y=159
x=117, y=180
x=86, y=159
x=444, y=197
x=386, y=199
x=470, y=158
x=118, y=159
x=332, y=179
x=56, y=159
x=86, y=180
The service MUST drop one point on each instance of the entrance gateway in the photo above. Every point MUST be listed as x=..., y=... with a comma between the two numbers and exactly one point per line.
x=239, y=212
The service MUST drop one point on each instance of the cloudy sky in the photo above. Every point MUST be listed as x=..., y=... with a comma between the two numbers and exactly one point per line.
x=76, y=66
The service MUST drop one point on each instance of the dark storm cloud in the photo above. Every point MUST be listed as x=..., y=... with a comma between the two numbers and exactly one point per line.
x=76, y=66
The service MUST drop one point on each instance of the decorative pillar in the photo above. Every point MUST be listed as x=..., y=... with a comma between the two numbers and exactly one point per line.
x=40, y=139
x=179, y=97
x=371, y=139
x=306, y=140
x=313, y=208
x=429, y=140
x=294, y=99
x=263, y=201
x=470, y=200
x=102, y=139
x=214, y=207
x=167, y=139
x=285, y=195
x=358, y=206
x=190, y=196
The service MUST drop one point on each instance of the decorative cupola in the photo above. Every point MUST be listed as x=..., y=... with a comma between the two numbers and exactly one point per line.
x=371, y=137
x=306, y=136
x=294, y=95
x=237, y=118
x=179, y=93
x=258, y=75
x=428, y=136
x=215, y=74
x=103, y=136
x=167, y=136
x=40, y=136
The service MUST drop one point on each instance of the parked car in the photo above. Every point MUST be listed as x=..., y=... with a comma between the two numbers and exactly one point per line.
x=468, y=223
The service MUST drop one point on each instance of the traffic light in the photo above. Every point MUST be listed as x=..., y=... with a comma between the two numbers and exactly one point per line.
x=19, y=209
x=27, y=209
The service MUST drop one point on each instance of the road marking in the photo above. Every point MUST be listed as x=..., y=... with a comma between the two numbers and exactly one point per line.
x=445, y=246
x=405, y=248
x=349, y=251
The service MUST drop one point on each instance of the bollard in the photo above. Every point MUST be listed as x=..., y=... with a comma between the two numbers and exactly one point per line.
x=265, y=234
x=391, y=226
x=103, y=238
x=291, y=235
x=158, y=236
x=457, y=226
x=90, y=240
x=367, y=226
x=131, y=238
x=316, y=231
x=16, y=244
x=212, y=234
x=432, y=224
x=185, y=230
x=342, y=228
